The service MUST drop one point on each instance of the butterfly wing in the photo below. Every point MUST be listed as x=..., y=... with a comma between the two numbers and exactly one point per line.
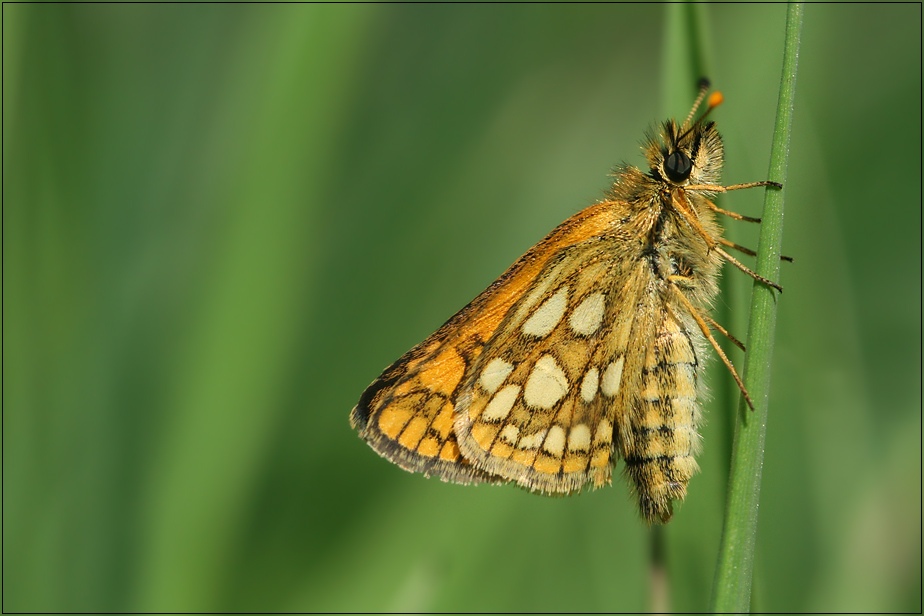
x=412, y=413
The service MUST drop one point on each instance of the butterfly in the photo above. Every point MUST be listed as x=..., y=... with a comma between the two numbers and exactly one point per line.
x=588, y=349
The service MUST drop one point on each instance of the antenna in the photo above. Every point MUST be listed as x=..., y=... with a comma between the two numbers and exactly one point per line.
x=703, y=88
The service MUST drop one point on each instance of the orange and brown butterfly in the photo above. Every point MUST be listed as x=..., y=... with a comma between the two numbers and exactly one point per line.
x=588, y=349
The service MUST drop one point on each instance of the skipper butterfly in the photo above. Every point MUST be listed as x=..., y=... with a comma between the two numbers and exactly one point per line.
x=588, y=349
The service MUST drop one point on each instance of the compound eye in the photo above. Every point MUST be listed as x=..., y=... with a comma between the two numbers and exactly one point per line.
x=678, y=166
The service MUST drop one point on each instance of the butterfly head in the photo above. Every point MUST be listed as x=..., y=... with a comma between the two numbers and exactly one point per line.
x=688, y=153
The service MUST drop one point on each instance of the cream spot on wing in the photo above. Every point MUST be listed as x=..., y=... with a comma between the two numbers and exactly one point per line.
x=579, y=438
x=589, y=384
x=532, y=441
x=499, y=406
x=510, y=433
x=604, y=433
x=494, y=374
x=546, y=385
x=555, y=441
x=612, y=376
x=588, y=316
x=547, y=316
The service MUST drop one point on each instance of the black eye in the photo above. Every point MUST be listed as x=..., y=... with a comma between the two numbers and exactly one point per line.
x=678, y=166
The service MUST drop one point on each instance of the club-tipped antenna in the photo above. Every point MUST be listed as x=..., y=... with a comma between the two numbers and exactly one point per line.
x=703, y=89
x=715, y=99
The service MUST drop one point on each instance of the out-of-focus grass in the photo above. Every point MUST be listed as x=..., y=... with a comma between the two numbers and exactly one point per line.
x=221, y=222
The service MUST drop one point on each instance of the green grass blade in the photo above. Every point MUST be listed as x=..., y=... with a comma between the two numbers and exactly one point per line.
x=732, y=589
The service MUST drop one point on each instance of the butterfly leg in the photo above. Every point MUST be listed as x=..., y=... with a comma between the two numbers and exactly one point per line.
x=704, y=327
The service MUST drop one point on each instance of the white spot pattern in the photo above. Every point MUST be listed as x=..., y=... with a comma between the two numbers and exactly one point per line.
x=604, y=433
x=510, y=433
x=532, y=441
x=546, y=385
x=612, y=377
x=494, y=374
x=588, y=316
x=547, y=316
x=589, y=384
x=555, y=441
x=499, y=406
x=579, y=438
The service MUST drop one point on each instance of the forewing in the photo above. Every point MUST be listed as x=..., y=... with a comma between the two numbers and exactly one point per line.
x=410, y=414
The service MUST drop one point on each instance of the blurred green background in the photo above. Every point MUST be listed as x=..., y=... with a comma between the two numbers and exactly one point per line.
x=220, y=222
